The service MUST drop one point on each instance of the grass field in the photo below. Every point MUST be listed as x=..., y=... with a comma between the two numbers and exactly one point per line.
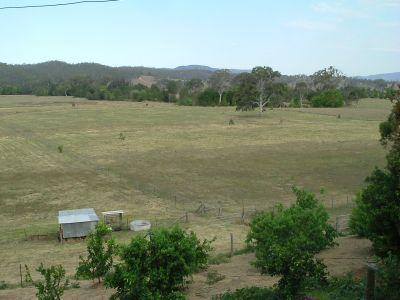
x=190, y=154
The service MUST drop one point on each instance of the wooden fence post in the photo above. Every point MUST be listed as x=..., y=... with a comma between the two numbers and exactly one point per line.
x=20, y=273
x=186, y=217
x=219, y=211
x=332, y=202
x=231, y=244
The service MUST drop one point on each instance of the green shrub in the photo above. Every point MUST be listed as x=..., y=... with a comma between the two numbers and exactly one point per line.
x=185, y=102
x=209, y=97
x=99, y=254
x=359, y=218
x=157, y=267
x=53, y=285
x=286, y=241
x=60, y=148
x=249, y=293
x=388, y=278
x=329, y=98
x=3, y=285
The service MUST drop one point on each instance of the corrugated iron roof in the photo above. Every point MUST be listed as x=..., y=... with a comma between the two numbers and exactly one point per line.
x=77, y=216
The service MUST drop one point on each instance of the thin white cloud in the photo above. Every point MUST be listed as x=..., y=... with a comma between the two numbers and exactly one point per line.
x=339, y=10
x=393, y=24
x=310, y=25
x=385, y=49
x=381, y=3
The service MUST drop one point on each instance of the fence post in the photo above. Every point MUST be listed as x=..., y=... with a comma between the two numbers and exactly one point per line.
x=242, y=214
x=231, y=244
x=219, y=211
x=186, y=217
x=20, y=273
x=337, y=223
x=332, y=203
x=370, y=287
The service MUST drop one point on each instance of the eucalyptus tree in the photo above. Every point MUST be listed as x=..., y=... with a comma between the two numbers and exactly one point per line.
x=301, y=89
x=328, y=78
x=220, y=80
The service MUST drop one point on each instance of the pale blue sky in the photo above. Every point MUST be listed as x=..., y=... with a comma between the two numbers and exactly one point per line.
x=359, y=37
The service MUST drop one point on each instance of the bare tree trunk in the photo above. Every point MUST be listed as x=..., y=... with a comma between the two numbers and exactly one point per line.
x=220, y=97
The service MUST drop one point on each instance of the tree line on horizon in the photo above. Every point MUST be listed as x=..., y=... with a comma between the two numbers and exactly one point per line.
x=261, y=88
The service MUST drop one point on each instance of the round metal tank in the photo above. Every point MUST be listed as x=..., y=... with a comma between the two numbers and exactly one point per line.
x=139, y=225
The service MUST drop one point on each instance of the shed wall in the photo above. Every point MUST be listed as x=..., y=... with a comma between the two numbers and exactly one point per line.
x=77, y=229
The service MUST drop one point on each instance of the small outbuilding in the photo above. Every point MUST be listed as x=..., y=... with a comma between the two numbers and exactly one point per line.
x=77, y=222
x=113, y=218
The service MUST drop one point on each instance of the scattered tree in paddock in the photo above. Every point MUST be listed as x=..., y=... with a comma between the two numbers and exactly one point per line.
x=220, y=81
x=327, y=79
x=301, y=90
x=258, y=89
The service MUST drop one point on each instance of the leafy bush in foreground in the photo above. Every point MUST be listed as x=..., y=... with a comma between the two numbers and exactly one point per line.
x=388, y=278
x=100, y=254
x=53, y=285
x=376, y=215
x=157, y=267
x=249, y=293
x=286, y=241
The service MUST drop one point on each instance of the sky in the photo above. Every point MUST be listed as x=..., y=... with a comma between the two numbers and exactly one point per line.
x=358, y=37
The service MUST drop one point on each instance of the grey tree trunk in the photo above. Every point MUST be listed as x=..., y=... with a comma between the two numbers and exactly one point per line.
x=220, y=97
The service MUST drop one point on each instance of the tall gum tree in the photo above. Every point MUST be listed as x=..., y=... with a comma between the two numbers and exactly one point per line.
x=220, y=81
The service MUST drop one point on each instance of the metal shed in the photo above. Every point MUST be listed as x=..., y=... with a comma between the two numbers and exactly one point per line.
x=76, y=222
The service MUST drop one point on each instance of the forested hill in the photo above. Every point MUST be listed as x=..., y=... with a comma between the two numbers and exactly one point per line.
x=61, y=71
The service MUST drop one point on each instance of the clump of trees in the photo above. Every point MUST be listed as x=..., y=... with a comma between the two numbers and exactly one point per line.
x=262, y=87
x=286, y=242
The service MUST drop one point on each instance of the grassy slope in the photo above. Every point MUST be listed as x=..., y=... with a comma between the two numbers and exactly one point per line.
x=188, y=152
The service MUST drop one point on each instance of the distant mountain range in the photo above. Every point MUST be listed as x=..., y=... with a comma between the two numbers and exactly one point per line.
x=207, y=68
x=58, y=71
x=386, y=76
